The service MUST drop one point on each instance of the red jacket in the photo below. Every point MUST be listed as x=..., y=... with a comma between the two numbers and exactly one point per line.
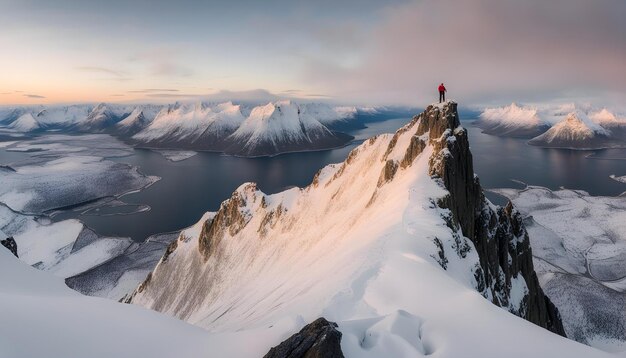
x=442, y=88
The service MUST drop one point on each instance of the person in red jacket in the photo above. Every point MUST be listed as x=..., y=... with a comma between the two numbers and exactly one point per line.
x=442, y=93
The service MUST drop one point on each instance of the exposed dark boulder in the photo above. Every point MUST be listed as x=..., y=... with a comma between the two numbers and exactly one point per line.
x=10, y=244
x=319, y=339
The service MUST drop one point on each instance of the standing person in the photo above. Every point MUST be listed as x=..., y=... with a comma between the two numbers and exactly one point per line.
x=442, y=93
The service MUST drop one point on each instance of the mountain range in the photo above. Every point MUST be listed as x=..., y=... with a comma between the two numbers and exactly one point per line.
x=243, y=130
x=565, y=126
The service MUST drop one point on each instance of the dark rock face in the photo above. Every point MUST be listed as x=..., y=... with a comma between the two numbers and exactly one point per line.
x=10, y=244
x=319, y=339
x=498, y=234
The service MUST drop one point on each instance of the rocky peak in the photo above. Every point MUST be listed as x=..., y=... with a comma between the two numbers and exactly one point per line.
x=318, y=339
x=498, y=234
x=10, y=244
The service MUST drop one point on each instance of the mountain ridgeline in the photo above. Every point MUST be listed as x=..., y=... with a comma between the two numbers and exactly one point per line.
x=260, y=257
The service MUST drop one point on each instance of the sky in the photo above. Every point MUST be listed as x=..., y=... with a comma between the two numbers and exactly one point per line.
x=393, y=52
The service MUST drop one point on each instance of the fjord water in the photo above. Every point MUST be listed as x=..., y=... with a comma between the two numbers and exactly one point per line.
x=193, y=186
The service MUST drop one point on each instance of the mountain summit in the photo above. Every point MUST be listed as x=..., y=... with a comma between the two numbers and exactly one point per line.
x=400, y=233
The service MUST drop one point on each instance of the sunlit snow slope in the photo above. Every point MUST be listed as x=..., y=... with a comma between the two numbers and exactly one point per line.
x=377, y=244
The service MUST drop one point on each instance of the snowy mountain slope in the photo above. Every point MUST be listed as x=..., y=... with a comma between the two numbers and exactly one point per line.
x=375, y=244
x=62, y=116
x=579, y=244
x=284, y=126
x=25, y=123
x=266, y=130
x=194, y=126
x=512, y=121
x=99, y=118
x=133, y=123
x=41, y=317
x=576, y=131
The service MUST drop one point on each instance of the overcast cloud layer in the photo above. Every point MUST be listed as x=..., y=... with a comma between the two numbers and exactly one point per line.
x=361, y=52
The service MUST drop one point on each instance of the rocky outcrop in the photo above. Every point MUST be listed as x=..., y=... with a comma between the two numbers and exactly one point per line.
x=497, y=233
x=319, y=339
x=10, y=244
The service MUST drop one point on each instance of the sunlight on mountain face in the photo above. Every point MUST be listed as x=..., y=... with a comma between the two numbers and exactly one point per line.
x=277, y=178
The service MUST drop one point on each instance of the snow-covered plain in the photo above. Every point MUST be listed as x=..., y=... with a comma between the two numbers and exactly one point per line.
x=57, y=171
x=355, y=249
x=63, y=170
x=579, y=249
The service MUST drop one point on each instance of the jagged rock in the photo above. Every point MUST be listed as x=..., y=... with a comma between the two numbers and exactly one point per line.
x=499, y=236
x=319, y=339
x=10, y=244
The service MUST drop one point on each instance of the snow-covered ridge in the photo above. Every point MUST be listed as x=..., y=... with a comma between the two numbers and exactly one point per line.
x=375, y=244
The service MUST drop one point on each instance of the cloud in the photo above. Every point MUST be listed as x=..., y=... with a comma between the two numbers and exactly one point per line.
x=153, y=90
x=485, y=51
x=170, y=69
x=255, y=96
x=102, y=70
x=33, y=96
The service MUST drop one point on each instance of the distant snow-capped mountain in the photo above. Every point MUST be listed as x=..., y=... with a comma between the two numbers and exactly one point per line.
x=576, y=131
x=100, y=118
x=285, y=126
x=565, y=125
x=512, y=121
x=236, y=129
x=25, y=123
x=279, y=127
x=195, y=126
x=133, y=123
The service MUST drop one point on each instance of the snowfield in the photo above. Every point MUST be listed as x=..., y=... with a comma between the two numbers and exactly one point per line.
x=579, y=247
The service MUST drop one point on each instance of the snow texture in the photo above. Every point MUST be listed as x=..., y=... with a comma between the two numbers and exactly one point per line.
x=579, y=248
